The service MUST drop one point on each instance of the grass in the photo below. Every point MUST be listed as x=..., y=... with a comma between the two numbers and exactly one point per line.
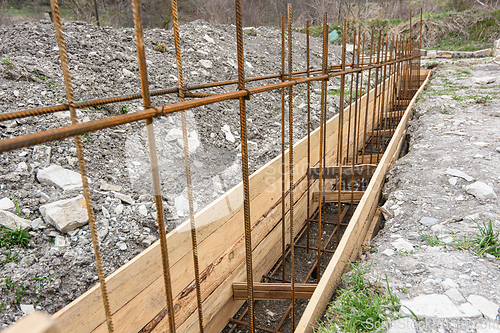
x=361, y=306
x=10, y=258
x=483, y=240
x=17, y=237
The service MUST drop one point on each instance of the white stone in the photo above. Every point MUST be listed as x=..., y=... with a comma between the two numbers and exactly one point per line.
x=484, y=80
x=109, y=187
x=481, y=190
x=209, y=39
x=438, y=306
x=227, y=131
x=458, y=173
x=482, y=53
x=127, y=73
x=193, y=144
x=125, y=198
x=54, y=175
x=174, y=134
x=432, y=54
x=489, y=329
x=497, y=149
x=6, y=203
x=402, y=245
x=12, y=221
x=119, y=209
x=27, y=308
x=59, y=241
x=143, y=210
x=481, y=144
x=448, y=284
x=388, y=252
x=105, y=212
x=429, y=221
x=121, y=245
x=22, y=167
x=455, y=295
x=402, y=325
x=103, y=230
x=485, y=306
x=453, y=180
x=206, y=63
x=386, y=211
x=66, y=215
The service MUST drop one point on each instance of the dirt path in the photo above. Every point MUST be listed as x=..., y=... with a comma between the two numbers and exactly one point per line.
x=432, y=211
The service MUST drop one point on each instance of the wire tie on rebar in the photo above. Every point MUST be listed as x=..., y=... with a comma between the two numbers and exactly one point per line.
x=248, y=95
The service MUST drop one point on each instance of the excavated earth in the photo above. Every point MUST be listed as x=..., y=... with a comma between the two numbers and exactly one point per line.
x=432, y=206
x=57, y=266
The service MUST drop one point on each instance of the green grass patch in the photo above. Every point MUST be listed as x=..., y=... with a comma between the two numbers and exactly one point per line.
x=17, y=237
x=361, y=306
x=483, y=240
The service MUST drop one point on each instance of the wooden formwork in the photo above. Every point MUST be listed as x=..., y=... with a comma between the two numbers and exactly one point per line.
x=136, y=290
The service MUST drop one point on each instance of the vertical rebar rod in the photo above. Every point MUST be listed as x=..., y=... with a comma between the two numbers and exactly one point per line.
x=362, y=59
x=368, y=88
x=290, y=165
x=375, y=99
x=420, y=48
x=154, y=163
x=356, y=103
x=349, y=122
x=341, y=129
x=390, y=98
x=308, y=135
x=244, y=166
x=322, y=129
x=283, y=161
x=81, y=162
x=96, y=13
x=187, y=164
x=382, y=108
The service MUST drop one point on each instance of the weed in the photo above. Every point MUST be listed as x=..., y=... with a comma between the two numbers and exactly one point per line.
x=9, y=63
x=17, y=237
x=432, y=240
x=2, y=306
x=362, y=306
x=485, y=240
x=161, y=48
x=125, y=109
x=458, y=98
x=16, y=203
x=20, y=292
x=40, y=283
x=8, y=283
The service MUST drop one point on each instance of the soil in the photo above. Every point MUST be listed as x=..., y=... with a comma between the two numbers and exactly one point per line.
x=103, y=63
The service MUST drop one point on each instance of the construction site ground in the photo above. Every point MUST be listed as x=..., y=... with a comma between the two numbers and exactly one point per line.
x=454, y=143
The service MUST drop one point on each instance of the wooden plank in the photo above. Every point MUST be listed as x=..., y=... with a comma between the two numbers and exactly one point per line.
x=37, y=322
x=345, y=196
x=355, y=232
x=365, y=159
x=273, y=291
x=348, y=171
x=381, y=132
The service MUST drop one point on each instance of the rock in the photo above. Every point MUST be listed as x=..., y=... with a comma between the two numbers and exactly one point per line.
x=206, y=63
x=108, y=187
x=497, y=149
x=227, y=131
x=432, y=54
x=27, y=308
x=41, y=154
x=37, y=224
x=148, y=240
x=482, y=53
x=386, y=211
x=402, y=245
x=437, y=306
x=54, y=175
x=481, y=144
x=209, y=39
x=481, y=190
x=485, y=306
x=198, y=164
x=6, y=203
x=388, y=252
x=448, y=283
x=143, y=210
x=102, y=231
x=121, y=245
x=59, y=241
x=484, y=80
x=429, y=221
x=174, y=134
x=12, y=221
x=402, y=325
x=125, y=198
x=458, y=173
x=453, y=180
x=193, y=142
x=455, y=295
x=22, y=167
x=105, y=212
x=119, y=209
x=127, y=73
x=67, y=214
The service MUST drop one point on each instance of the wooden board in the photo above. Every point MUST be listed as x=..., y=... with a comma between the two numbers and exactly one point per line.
x=37, y=322
x=345, y=196
x=356, y=232
x=348, y=171
x=273, y=291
